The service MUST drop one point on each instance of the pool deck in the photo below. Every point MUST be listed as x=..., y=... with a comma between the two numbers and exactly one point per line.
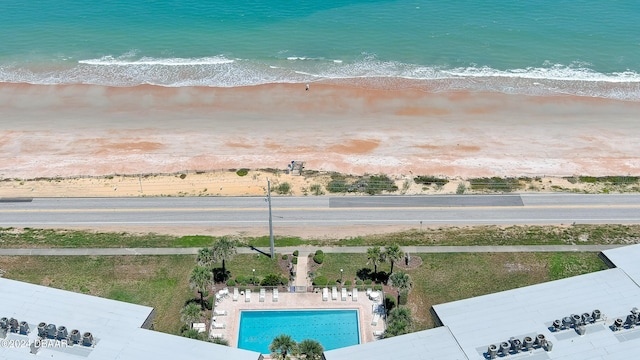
x=288, y=300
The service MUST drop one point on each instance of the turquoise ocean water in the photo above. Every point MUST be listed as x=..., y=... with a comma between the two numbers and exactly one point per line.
x=582, y=47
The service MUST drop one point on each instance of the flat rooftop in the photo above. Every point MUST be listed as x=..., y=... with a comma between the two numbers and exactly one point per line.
x=117, y=327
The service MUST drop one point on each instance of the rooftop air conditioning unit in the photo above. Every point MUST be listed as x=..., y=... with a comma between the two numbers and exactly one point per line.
x=87, y=339
x=75, y=336
x=14, y=326
x=576, y=320
x=617, y=324
x=596, y=315
x=62, y=333
x=52, y=331
x=540, y=340
x=528, y=342
x=492, y=351
x=4, y=323
x=42, y=329
x=504, y=348
x=24, y=328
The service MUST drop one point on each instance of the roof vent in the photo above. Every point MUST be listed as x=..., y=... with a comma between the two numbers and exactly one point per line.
x=87, y=339
x=596, y=315
x=540, y=340
x=492, y=351
x=566, y=322
x=4, y=323
x=24, y=328
x=586, y=318
x=516, y=344
x=557, y=324
x=42, y=329
x=52, y=331
x=62, y=333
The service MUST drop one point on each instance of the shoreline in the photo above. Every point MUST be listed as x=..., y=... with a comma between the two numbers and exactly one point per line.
x=72, y=130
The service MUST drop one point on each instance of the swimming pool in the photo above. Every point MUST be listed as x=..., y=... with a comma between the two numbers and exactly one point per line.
x=332, y=328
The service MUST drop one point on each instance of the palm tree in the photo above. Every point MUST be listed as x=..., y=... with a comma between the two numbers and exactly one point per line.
x=399, y=322
x=393, y=253
x=311, y=349
x=223, y=249
x=190, y=313
x=200, y=279
x=281, y=346
x=400, y=281
x=374, y=256
x=205, y=257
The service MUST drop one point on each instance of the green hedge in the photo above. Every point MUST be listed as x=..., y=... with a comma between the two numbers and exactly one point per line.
x=320, y=281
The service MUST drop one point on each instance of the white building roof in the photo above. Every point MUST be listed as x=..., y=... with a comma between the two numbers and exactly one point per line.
x=116, y=327
x=626, y=258
x=436, y=344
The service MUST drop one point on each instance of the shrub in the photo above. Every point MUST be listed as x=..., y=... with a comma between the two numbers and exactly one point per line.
x=242, y=172
x=294, y=261
x=241, y=280
x=332, y=283
x=182, y=176
x=337, y=186
x=461, y=188
x=495, y=184
x=347, y=283
x=427, y=180
x=319, y=257
x=320, y=281
x=377, y=287
x=316, y=189
x=285, y=257
x=368, y=282
x=231, y=282
x=283, y=188
x=272, y=280
x=379, y=183
x=208, y=303
x=389, y=303
x=358, y=282
x=295, y=253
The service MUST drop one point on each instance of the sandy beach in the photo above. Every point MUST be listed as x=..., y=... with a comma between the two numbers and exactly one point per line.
x=72, y=130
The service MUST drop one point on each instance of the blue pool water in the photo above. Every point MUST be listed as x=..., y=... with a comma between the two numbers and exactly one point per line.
x=332, y=328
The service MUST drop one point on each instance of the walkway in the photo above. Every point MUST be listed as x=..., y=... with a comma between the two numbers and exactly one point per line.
x=302, y=279
x=306, y=250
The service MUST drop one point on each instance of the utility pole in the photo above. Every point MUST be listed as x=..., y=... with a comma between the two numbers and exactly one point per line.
x=270, y=218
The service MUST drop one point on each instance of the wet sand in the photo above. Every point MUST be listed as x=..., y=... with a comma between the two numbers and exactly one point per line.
x=60, y=131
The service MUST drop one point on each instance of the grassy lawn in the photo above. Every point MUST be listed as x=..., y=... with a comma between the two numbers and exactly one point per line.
x=471, y=235
x=161, y=282
x=447, y=277
x=157, y=281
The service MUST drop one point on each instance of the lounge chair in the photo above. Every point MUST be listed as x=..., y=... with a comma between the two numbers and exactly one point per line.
x=216, y=336
x=219, y=312
x=275, y=295
x=334, y=293
x=344, y=294
x=263, y=293
x=354, y=294
x=325, y=294
x=236, y=294
x=376, y=317
x=216, y=325
x=247, y=295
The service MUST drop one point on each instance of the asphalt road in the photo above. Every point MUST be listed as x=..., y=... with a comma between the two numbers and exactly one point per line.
x=322, y=211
